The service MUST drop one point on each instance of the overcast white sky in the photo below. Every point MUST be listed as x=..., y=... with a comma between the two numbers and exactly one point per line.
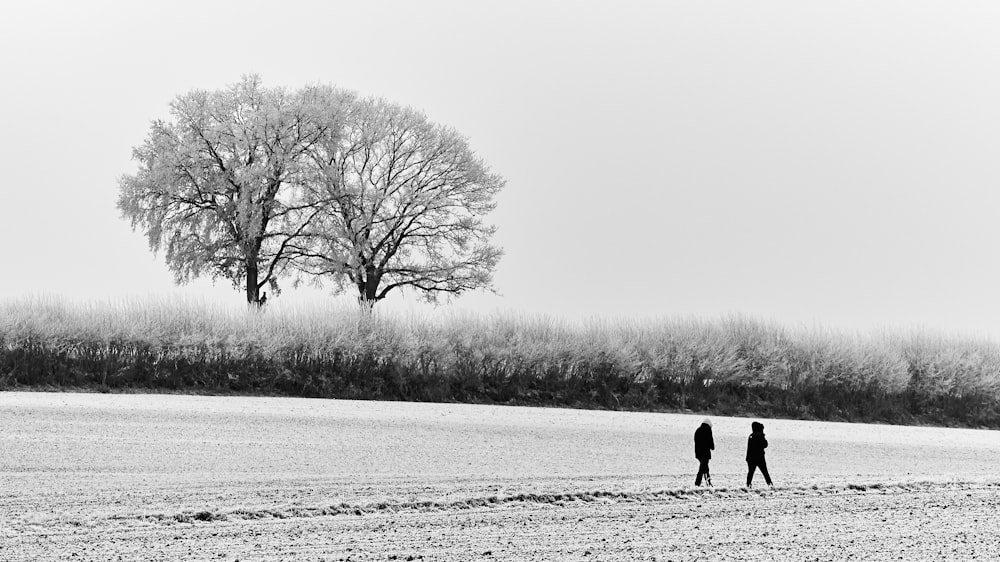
x=832, y=163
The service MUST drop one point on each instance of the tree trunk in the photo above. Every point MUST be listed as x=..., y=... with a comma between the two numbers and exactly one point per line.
x=253, y=290
x=368, y=287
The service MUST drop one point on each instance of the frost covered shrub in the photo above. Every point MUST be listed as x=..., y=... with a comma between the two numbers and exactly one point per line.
x=728, y=366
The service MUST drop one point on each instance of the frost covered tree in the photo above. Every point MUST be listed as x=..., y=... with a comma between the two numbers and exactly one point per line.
x=222, y=186
x=402, y=203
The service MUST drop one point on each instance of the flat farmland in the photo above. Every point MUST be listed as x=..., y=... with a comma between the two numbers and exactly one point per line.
x=171, y=477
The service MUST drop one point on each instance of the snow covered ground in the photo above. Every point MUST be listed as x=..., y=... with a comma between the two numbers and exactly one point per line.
x=174, y=477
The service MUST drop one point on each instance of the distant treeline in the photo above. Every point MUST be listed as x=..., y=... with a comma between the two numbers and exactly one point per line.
x=733, y=366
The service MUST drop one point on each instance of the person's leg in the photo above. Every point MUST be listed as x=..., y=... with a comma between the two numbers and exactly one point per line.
x=708, y=476
x=750, y=467
x=702, y=471
x=763, y=470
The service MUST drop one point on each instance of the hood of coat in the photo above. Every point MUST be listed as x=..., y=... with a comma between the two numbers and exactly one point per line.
x=757, y=427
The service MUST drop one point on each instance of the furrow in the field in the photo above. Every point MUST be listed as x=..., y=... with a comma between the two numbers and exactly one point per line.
x=550, y=500
x=932, y=522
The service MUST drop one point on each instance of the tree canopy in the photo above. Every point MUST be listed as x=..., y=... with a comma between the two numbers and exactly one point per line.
x=403, y=207
x=251, y=183
x=220, y=187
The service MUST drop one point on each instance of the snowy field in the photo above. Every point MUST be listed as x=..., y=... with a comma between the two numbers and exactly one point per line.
x=168, y=477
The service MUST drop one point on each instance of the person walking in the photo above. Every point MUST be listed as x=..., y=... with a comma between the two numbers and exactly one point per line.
x=756, y=444
x=703, y=447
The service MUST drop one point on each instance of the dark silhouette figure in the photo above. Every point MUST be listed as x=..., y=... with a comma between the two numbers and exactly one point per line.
x=703, y=447
x=263, y=300
x=756, y=444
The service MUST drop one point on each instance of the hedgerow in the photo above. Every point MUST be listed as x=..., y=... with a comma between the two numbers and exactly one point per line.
x=730, y=366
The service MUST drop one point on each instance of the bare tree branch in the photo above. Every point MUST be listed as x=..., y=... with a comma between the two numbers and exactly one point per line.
x=405, y=209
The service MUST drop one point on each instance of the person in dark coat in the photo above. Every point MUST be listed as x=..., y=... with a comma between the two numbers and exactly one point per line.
x=703, y=447
x=756, y=444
